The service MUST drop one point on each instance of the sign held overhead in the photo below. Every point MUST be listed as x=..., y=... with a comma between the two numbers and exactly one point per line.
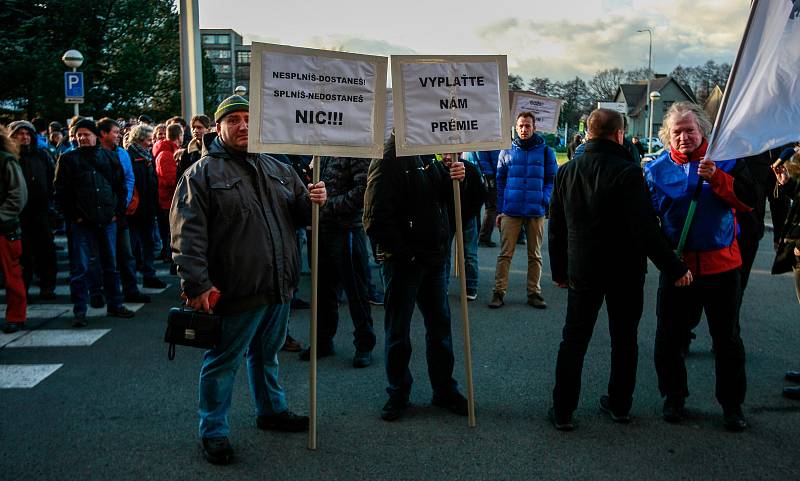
x=450, y=103
x=316, y=102
x=545, y=110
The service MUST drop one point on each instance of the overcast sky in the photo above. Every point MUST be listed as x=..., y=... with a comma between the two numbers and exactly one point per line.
x=556, y=38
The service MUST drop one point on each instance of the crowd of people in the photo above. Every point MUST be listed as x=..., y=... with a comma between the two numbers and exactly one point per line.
x=120, y=186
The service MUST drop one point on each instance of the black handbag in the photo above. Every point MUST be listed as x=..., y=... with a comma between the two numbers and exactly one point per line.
x=192, y=328
x=785, y=260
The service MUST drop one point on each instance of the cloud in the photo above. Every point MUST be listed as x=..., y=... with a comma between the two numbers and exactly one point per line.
x=684, y=32
x=361, y=45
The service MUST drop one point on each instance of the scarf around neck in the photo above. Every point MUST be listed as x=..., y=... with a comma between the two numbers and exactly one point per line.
x=698, y=154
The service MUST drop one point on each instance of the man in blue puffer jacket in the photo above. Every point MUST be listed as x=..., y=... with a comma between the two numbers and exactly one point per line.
x=525, y=177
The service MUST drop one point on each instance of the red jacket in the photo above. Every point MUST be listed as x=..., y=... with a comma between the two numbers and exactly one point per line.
x=166, y=170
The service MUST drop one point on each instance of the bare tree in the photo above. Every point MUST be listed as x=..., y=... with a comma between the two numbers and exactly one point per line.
x=604, y=84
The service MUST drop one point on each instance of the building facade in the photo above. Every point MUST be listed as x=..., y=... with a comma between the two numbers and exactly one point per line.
x=229, y=57
x=636, y=97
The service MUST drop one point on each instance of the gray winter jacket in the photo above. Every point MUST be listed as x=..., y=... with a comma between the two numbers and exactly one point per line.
x=233, y=220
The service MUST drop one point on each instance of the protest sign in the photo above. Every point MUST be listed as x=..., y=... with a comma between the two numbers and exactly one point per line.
x=544, y=109
x=316, y=102
x=450, y=103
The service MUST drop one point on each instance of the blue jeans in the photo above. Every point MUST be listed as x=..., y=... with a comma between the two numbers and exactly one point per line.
x=126, y=265
x=86, y=240
x=471, y=231
x=408, y=282
x=258, y=334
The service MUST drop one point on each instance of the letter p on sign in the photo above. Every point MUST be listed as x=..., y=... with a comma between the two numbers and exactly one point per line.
x=73, y=84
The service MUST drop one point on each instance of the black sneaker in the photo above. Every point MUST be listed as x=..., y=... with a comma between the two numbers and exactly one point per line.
x=12, y=327
x=362, y=359
x=537, y=301
x=305, y=354
x=137, y=297
x=154, y=283
x=605, y=406
x=286, y=421
x=453, y=402
x=733, y=419
x=80, y=320
x=561, y=422
x=120, y=311
x=673, y=409
x=97, y=301
x=488, y=243
x=217, y=450
x=394, y=408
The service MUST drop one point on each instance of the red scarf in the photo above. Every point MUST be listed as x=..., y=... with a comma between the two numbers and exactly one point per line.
x=698, y=154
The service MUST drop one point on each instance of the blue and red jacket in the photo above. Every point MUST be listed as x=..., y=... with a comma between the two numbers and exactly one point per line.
x=525, y=178
x=711, y=246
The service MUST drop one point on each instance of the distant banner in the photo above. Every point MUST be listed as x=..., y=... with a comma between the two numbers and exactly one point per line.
x=545, y=109
x=450, y=103
x=316, y=102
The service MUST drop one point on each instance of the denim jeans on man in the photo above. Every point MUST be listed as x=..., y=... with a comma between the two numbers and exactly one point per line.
x=86, y=240
x=408, y=282
x=344, y=264
x=471, y=234
x=126, y=265
x=258, y=334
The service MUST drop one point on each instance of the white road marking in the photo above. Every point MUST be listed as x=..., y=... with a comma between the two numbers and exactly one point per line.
x=63, y=290
x=58, y=338
x=49, y=311
x=64, y=274
x=25, y=376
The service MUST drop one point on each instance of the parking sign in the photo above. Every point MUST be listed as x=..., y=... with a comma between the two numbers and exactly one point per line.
x=73, y=85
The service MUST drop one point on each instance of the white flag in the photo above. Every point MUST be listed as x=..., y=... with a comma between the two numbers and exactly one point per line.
x=763, y=106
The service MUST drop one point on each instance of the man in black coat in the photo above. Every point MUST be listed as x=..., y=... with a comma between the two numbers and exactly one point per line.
x=602, y=229
x=90, y=191
x=405, y=214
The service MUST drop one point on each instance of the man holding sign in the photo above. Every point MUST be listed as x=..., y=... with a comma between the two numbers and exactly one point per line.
x=233, y=219
x=406, y=215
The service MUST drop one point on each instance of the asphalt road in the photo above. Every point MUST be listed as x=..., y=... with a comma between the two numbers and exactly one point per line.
x=119, y=410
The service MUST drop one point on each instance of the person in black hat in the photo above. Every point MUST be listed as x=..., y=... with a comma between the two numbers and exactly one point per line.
x=233, y=219
x=90, y=191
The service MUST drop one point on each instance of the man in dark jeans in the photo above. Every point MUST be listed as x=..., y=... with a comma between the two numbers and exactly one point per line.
x=90, y=191
x=343, y=260
x=405, y=213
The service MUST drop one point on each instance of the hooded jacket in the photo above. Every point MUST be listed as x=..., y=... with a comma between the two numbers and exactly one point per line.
x=166, y=170
x=90, y=185
x=525, y=178
x=406, y=206
x=233, y=220
x=13, y=194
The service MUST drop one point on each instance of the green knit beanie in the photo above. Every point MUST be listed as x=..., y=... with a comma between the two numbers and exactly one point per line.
x=234, y=103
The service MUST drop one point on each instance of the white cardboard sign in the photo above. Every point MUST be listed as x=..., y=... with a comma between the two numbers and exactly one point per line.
x=316, y=102
x=450, y=103
x=545, y=110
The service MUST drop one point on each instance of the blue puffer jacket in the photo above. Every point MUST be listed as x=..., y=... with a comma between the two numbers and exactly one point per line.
x=525, y=179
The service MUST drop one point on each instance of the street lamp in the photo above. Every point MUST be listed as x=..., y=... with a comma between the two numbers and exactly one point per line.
x=241, y=90
x=73, y=59
x=650, y=54
x=653, y=97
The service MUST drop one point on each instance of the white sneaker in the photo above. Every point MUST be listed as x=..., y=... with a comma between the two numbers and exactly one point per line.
x=472, y=297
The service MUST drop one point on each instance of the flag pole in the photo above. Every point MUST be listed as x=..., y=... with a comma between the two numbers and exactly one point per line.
x=462, y=281
x=312, y=417
x=732, y=77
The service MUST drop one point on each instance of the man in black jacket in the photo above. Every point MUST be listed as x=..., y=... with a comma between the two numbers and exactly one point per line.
x=405, y=214
x=344, y=258
x=90, y=191
x=38, y=248
x=602, y=229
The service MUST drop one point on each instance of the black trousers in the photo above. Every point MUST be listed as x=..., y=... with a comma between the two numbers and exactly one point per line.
x=624, y=302
x=344, y=264
x=38, y=251
x=717, y=295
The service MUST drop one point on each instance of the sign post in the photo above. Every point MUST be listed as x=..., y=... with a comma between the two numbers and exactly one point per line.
x=73, y=88
x=316, y=102
x=451, y=104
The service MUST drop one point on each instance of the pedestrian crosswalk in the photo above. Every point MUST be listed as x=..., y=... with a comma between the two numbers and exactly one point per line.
x=50, y=311
x=26, y=376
